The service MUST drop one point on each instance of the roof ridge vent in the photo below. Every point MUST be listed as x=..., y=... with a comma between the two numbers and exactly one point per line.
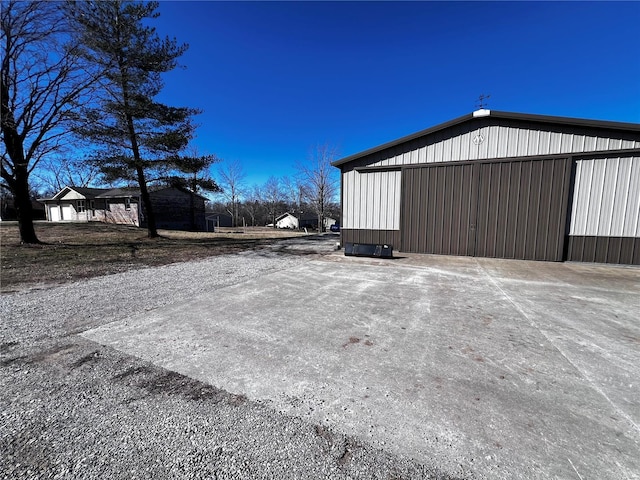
x=483, y=112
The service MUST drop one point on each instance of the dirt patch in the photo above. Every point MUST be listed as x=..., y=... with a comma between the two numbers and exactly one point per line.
x=89, y=358
x=8, y=346
x=166, y=382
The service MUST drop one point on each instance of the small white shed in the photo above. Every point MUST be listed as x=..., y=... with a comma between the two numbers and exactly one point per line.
x=287, y=221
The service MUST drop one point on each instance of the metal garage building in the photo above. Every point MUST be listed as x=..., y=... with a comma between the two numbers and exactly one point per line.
x=500, y=184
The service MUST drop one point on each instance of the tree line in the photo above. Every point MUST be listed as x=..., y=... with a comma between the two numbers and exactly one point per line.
x=299, y=195
x=83, y=77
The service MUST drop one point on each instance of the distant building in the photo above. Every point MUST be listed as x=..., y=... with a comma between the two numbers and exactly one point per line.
x=310, y=220
x=287, y=220
x=8, y=211
x=174, y=208
x=217, y=220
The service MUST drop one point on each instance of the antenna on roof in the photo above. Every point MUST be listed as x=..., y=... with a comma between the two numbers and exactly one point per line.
x=481, y=101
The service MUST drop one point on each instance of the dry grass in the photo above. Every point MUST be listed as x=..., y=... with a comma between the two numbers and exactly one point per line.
x=72, y=251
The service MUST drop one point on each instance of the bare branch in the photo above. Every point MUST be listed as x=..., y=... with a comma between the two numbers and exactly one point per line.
x=319, y=180
x=41, y=82
x=232, y=179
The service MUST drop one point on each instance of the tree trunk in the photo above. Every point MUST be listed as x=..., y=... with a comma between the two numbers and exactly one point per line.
x=18, y=180
x=152, y=231
x=235, y=210
x=192, y=202
x=192, y=209
x=23, y=205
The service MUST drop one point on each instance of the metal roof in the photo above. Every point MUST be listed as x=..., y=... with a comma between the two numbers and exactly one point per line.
x=578, y=122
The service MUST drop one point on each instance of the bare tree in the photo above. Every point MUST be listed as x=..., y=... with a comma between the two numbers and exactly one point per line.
x=232, y=179
x=293, y=193
x=320, y=180
x=41, y=82
x=57, y=172
x=253, y=203
x=273, y=198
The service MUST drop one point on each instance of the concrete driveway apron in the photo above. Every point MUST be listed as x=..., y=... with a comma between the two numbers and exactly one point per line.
x=483, y=368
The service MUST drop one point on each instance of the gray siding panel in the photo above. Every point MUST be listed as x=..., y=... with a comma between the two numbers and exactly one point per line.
x=371, y=200
x=502, y=140
x=606, y=201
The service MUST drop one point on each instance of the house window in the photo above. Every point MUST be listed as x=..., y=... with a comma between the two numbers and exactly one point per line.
x=80, y=206
x=127, y=204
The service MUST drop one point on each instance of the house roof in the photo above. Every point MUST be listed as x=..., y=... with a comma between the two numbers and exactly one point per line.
x=119, y=193
x=287, y=214
x=84, y=191
x=123, y=192
x=483, y=113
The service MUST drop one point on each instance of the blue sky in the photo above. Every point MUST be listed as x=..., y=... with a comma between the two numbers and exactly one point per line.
x=276, y=78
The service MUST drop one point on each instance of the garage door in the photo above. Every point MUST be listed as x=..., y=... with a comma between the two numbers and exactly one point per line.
x=438, y=206
x=508, y=209
x=54, y=213
x=67, y=212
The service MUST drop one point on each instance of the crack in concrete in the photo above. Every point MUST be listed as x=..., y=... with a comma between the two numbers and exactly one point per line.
x=582, y=372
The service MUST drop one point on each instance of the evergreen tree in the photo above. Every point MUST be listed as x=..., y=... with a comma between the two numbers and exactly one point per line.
x=194, y=177
x=138, y=135
x=194, y=172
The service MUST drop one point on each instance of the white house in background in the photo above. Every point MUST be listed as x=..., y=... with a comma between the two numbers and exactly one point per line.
x=174, y=208
x=286, y=220
x=79, y=204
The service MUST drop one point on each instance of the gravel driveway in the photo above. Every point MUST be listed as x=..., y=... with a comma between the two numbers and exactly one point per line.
x=71, y=408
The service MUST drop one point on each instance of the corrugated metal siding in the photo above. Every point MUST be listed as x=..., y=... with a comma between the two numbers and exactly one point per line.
x=388, y=237
x=522, y=209
x=437, y=209
x=605, y=209
x=513, y=209
x=499, y=141
x=606, y=199
x=623, y=250
x=371, y=200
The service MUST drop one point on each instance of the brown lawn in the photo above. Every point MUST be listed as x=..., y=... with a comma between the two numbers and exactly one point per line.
x=72, y=251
